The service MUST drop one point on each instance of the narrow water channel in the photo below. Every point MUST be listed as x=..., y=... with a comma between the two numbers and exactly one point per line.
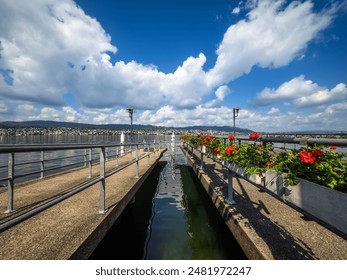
x=172, y=218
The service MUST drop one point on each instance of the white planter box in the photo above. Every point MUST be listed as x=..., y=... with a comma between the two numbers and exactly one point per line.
x=256, y=179
x=328, y=205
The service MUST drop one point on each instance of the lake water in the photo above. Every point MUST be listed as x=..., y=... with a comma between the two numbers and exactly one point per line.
x=173, y=218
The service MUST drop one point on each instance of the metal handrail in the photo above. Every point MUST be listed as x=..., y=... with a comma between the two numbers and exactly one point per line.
x=12, y=149
x=339, y=142
x=37, y=148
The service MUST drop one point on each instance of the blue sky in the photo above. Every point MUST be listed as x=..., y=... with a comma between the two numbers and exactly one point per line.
x=177, y=63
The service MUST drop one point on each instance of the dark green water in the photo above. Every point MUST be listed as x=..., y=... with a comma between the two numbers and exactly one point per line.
x=172, y=218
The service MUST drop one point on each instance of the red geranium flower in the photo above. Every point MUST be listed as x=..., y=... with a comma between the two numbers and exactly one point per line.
x=318, y=153
x=231, y=137
x=207, y=138
x=254, y=136
x=306, y=157
x=230, y=149
x=216, y=151
x=333, y=147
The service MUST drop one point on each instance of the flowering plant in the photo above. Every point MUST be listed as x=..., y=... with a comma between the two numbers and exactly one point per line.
x=314, y=164
x=212, y=145
x=231, y=138
x=210, y=142
x=194, y=140
x=255, y=156
x=254, y=136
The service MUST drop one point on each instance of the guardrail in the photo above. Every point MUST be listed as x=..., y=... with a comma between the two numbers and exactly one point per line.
x=294, y=140
x=106, y=152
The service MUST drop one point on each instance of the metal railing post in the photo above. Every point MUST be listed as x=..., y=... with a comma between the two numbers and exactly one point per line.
x=117, y=156
x=102, y=209
x=137, y=161
x=90, y=164
x=10, y=183
x=148, y=154
x=230, y=198
x=85, y=158
x=131, y=152
x=42, y=163
x=201, y=159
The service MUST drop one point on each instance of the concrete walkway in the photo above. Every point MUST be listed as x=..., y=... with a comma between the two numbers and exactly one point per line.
x=265, y=227
x=72, y=228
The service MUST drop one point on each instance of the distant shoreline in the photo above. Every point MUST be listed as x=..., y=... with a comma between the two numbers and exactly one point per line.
x=28, y=131
x=82, y=131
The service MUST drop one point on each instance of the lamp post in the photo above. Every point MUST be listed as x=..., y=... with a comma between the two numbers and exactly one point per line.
x=131, y=111
x=235, y=115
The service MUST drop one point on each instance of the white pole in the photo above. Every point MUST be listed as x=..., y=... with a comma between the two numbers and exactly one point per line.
x=173, y=142
x=122, y=139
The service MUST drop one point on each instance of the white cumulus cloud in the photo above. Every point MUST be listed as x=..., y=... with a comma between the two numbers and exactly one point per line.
x=302, y=93
x=272, y=36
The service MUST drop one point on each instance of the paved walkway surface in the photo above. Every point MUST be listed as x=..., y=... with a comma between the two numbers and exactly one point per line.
x=72, y=228
x=265, y=227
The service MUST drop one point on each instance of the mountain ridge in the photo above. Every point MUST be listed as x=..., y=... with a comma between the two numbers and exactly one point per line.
x=57, y=124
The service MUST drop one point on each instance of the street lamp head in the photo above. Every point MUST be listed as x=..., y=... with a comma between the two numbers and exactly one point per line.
x=236, y=111
x=130, y=110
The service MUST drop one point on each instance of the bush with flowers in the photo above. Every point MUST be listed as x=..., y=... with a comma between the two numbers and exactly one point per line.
x=253, y=156
x=313, y=163
x=212, y=145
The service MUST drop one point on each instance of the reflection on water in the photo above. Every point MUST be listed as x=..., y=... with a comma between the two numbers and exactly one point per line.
x=167, y=227
x=172, y=218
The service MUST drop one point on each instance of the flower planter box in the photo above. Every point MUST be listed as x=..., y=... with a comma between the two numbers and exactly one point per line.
x=256, y=179
x=325, y=204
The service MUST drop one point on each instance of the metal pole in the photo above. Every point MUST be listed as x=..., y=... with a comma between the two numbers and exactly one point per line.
x=90, y=164
x=148, y=153
x=102, y=180
x=85, y=158
x=234, y=122
x=137, y=161
x=235, y=114
x=117, y=156
x=230, y=198
x=201, y=159
x=42, y=163
x=131, y=124
x=10, y=183
x=131, y=111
